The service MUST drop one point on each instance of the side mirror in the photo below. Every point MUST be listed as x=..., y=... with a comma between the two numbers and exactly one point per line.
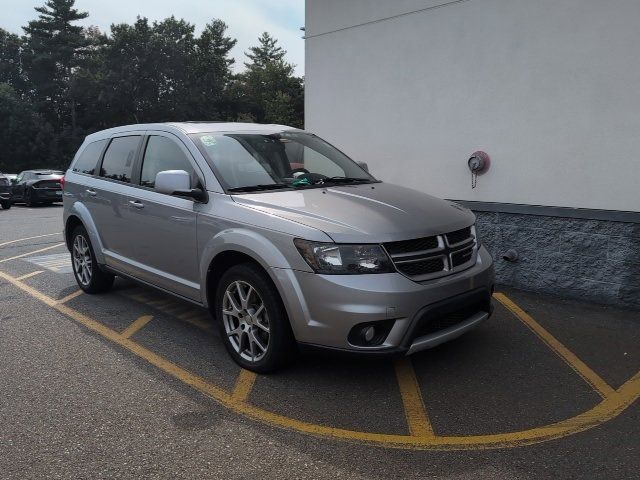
x=178, y=183
x=364, y=166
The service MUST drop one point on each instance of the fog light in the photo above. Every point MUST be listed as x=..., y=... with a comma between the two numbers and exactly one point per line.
x=369, y=333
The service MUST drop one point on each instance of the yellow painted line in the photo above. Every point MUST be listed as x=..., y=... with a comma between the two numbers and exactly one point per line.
x=29, y=238
x=29, y=275
x=581, y=368
x=187, y=313
x=244, y=385
x=193, y=314
x=71, y=296
x=414, y=409
x=31, y=253
x=200, y=322
x=136, y=326
x=612, y=406
x=159, y=304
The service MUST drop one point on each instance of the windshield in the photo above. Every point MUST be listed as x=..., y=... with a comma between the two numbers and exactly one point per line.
x=253, y=161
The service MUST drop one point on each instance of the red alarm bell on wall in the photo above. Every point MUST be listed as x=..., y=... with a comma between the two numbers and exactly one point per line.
x=478, y=163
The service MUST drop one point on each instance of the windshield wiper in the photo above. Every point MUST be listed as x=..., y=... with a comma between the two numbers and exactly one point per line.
x=344, y=180
x=251, y=188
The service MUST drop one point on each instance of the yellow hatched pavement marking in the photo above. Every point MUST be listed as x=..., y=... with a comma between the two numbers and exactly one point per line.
x=71, y=296
x=187, y=313
x=31, y=253
x=612, y=406
x=415, y=411
x=244, y=385
x=592, y=378
x=29, y=275
x=136, y=326
x=29, y=238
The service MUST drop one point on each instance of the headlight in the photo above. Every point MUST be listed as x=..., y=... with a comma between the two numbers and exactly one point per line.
x=340, y=259
x=474, y=231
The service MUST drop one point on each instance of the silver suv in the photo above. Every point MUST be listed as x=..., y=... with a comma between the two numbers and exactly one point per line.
x=285, y=239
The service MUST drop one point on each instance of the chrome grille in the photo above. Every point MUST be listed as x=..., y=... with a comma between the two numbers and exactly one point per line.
x=459, y=236
x=408, y=246
x=436, y=256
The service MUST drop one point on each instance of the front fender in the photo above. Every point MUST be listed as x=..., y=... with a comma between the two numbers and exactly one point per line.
x=79, y=209
x=249, y=242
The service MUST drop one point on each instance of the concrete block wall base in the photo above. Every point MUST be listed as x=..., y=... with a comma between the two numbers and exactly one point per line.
x=596, y=260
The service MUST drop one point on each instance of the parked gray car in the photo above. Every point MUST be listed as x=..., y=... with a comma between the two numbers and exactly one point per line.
x=285, y=239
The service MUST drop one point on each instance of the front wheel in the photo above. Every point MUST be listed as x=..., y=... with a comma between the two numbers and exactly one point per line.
x=88, y=274
x=6, y=205
x=252, y=320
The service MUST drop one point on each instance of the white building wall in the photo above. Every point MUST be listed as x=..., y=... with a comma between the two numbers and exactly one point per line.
x=549, y=88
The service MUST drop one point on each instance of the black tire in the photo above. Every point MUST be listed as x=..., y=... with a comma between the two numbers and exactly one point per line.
x=6, y=205
x=280, y=345
x=28, y=198
x=97, y=280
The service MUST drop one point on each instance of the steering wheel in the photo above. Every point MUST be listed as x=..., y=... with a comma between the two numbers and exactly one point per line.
x=299, y=171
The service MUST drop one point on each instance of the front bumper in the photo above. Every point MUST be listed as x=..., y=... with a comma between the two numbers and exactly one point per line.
x=324, y=308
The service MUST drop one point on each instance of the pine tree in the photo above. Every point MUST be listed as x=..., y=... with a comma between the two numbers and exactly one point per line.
x=267, y=52
x=268, y=90
x=10, y=63
x=53, y=51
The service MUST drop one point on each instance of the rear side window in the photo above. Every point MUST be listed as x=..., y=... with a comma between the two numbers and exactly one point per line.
x=161, y=154
x=88, y=160
x=119, y=157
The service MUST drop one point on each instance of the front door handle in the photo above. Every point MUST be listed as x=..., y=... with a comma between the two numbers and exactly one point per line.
x=93, y=193
x=136, y=203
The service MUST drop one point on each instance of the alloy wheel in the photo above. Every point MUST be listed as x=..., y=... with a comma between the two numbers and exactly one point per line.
x=82, y=263
x=246, y=321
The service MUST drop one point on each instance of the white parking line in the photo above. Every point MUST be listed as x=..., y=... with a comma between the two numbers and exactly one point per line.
x=58, y=262
x=29, y=238
x=31, y=253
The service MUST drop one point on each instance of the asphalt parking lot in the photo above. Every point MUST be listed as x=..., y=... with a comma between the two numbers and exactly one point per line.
x=137, y=384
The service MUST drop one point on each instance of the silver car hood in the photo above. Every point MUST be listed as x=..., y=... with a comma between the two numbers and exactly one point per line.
x=368, y=213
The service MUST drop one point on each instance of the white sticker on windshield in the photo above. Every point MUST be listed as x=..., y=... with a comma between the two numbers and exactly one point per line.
x=208, y=140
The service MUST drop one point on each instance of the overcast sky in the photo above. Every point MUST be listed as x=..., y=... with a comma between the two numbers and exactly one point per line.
x=246, y=19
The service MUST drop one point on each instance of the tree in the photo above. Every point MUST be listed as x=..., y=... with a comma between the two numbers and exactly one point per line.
x=266, y=53
x=10, y=60
x=25, y=141
x=268, y=90
x=52, y=53
x=61, y=82
x=211, y=73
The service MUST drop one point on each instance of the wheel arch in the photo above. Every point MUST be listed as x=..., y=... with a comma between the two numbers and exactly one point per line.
x=80, y=215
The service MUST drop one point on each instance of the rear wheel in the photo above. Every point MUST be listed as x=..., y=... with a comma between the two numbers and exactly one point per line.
x=28, y=198
x=88, y=274
x=252, y=320
x=6, y=204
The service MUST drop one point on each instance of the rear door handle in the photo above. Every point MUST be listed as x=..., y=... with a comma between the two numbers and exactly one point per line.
x=136, y=204
x=93, y=193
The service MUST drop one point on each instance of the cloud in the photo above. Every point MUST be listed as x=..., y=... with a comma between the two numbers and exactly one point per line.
x=247, y=19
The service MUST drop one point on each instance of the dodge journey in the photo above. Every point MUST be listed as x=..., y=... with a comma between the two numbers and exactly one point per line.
x=286, y=240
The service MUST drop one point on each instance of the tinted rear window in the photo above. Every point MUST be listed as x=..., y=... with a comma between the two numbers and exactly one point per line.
x=89, y=157
x=119, y=157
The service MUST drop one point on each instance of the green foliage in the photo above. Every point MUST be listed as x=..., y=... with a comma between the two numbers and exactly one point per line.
x=10, y=60
x=268, y=89
x=23, y=135
x=61, y=82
